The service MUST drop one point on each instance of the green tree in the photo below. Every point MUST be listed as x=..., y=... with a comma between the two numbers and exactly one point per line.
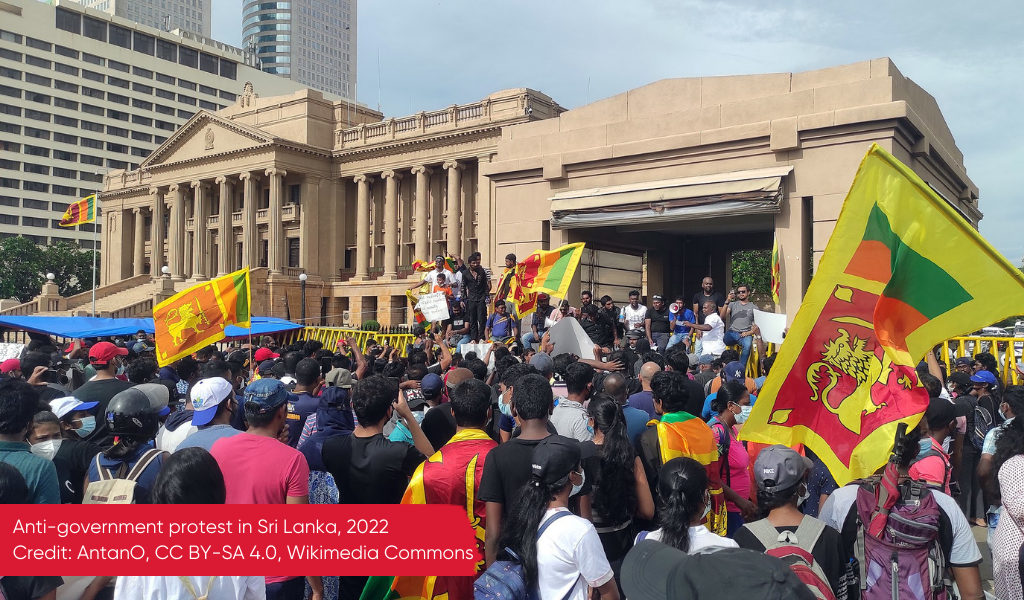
x=71, y=266
x=21, y=268
x=753, y=268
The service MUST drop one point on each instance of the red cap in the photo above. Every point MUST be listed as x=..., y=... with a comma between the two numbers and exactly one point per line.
x=102, y=352
x=265, y=354
x=11, y=364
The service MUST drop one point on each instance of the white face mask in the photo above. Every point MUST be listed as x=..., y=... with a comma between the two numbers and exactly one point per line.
x=744, y=413
x=583, y=479
x=47, y=449
x=803, y=496
x=707, y=507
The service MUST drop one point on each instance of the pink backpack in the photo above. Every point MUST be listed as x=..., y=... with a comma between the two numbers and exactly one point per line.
x=794, y=548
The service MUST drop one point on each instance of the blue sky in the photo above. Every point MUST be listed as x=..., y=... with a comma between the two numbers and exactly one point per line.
x=437, y=53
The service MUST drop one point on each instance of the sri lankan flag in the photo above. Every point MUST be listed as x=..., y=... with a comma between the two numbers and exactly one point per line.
x=196, y=317
x=451, y=476
x=414, y=299
x=776, y=275
x=902, y=272
x=550, y=272
x=423, y=266
x=682, y=434
x=83, y=211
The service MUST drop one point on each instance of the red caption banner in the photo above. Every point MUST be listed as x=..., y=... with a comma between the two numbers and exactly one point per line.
x=370, y=539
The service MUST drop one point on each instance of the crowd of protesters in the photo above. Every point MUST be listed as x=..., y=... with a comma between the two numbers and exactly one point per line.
x=584, y=439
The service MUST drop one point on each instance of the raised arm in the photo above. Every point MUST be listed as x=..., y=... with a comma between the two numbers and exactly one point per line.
x=361, y=365
x=446, y=356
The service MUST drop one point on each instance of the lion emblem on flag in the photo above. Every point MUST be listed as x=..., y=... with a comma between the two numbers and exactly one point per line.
x=847, y=356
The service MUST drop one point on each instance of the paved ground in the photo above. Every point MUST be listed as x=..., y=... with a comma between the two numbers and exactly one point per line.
x=981, y=536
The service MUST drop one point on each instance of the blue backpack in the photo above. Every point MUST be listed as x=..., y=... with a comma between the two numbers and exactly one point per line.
x=506, y=579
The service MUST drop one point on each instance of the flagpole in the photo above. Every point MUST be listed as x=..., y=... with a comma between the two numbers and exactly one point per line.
x=94, y=252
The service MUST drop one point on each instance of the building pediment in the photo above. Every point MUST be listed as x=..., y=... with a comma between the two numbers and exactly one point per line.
x=206, y=135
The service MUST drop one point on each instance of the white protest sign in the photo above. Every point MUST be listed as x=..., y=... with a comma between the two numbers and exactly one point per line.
x=433, y=306
x=771, y=325
x=568, y=337
x=11, y=351
x=481, y=352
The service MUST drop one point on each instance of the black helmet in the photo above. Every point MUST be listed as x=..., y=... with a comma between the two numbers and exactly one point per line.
x=130, y=413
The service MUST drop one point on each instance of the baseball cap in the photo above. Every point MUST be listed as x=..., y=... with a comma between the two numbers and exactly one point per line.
x=263, y=354
x=984, y=377
x=266, y=368
x=734, y=372
x=963, y=380
x=67, y=405
x=634, y=334
x=266, y=394
x=656, y=571
x=338, y=377
x=693, y=359
x=159, y=397
x=543, y=363
x=102, y=352
x=278, y=370
x=706, y=359
x=657, y=297
x=457, y=376
x=964, y=361
x=543, y=297
x=940, y=412
x=11, y=364
x=206, y=395
x=780, y=468
x=431, y=385
x=555, y=456
x=141, y=347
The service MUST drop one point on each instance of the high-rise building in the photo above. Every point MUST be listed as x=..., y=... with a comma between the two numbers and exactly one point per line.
x=83, y=93
x=165, y=15
x=312, y=42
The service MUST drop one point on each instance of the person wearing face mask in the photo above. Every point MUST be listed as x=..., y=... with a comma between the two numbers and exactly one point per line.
x=684, y=504
x=781, y=476
x=109, y=361
x=731, y=406
x=933, y=461
x=561, y=553
x=58, y=436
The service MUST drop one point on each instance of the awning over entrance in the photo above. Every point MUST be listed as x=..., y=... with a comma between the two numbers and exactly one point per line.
x=757, y=191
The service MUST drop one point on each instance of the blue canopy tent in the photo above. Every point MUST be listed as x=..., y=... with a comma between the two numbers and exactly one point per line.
x=90, y=327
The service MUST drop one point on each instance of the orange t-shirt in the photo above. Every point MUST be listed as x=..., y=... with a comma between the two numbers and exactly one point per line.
x=749, y=383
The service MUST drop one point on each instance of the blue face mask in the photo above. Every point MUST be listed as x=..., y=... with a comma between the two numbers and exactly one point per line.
x=925, y=445
x=88, y=425
x=504, y=406
x=590, y=429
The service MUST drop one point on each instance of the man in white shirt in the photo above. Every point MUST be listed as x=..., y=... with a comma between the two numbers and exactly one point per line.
x=633, y=314
x=713, y=338
x=171, y=588
x=430, y=277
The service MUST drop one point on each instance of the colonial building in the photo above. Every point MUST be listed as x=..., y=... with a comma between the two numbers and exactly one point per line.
x=682, y=171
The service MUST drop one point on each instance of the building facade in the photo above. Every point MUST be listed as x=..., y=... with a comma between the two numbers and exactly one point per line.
x=163, y=15
x=82, y=93
x=311, y=42
x=670, y=179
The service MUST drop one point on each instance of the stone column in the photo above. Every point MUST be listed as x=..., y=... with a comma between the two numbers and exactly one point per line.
x=200, y=233
x=422, y=203
x=250, y=239
x=176, y=235
x=310, y=246
x=390, y=224
x=156, y=236
x=275, y=233
x=225, y=232
x=454, y=206
x=483, y=209
x=139, y=256
x=363, y=228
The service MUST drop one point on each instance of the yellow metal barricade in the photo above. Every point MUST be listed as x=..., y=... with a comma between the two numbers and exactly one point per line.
x=1006, y=351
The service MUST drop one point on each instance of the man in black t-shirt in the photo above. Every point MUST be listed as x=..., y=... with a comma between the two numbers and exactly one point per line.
x=456, y=328
x=108, y=360
x=508, y=466
x=657, y=324
x=707, y=294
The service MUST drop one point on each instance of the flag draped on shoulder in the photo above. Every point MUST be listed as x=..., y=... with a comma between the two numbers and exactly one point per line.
x=544, y=271
x=451, y=476
x=83, y=211
x=196, y=317
x=902, y=272
x=681, y=434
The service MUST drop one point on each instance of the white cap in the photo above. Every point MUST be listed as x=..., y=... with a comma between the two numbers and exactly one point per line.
x=206, y=395
x=69, y=404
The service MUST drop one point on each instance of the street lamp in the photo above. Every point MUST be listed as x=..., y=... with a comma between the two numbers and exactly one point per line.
x=302, y=284
x=50, y=277
x=165, y=270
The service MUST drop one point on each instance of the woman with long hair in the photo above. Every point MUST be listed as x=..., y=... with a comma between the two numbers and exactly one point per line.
x=620, y=490
x=685, y=503
x=561, y=553
x=190, y=476
x=1008, y=539
x=730, y=407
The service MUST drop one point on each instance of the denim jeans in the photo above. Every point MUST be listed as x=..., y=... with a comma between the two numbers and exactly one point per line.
x=529, y=339
x=733, y=337
x=661, y=341
x=677, y=338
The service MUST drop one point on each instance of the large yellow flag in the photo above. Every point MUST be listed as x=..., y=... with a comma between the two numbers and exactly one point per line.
x=902, y=272
x=196, y=317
